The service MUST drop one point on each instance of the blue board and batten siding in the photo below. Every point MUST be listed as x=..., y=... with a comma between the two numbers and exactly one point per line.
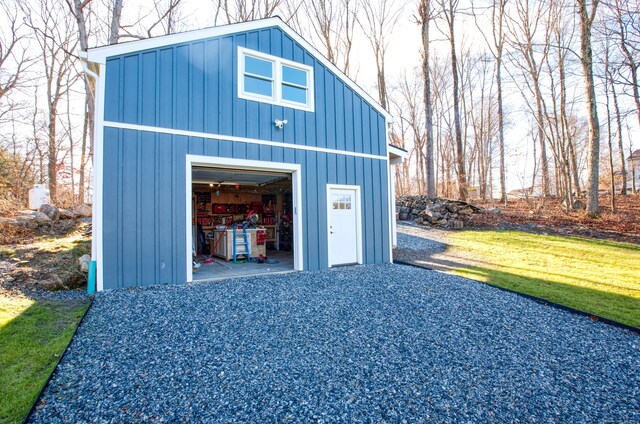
x=193, y=87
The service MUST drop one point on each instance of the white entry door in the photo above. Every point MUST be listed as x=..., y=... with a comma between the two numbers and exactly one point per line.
x=343, y=223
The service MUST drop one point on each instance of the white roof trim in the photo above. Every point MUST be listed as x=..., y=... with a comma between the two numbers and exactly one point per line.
x=397, y=151
x=100, y=54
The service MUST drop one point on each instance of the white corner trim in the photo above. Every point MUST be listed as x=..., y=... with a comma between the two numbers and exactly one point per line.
x=252, y=165
x=276, y=98
x=98, y=178
x=393, y=234
x=198, y=134
x=358, y=199
x=100, y=54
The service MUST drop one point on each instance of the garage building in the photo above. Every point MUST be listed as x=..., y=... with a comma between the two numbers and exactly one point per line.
x=199, y=132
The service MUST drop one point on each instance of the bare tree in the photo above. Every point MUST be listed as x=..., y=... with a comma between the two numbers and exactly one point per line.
x=626, y=29
x=398, y=138
x=523, y=28
x=424, y=18
x=378, y=20
x=449, y=10
x=244, y=10
x=408, y=89
x=163, y=18
x=54, y=35
x=168, y=17
x=607, y=84
x=618, y=116
x=587, y=15
x=333, y=23
x=496, y=47
x=14, y=60
x=114, y=26
x=80, y=9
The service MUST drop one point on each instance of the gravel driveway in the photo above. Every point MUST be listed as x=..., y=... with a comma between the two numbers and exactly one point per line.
x=365, y=343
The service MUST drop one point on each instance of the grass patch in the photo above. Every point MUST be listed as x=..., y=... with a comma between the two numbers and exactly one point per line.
x=594, y=276
x=33, y=335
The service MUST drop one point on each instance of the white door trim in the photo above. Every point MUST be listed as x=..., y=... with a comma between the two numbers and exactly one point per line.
x=250, y=165
x=358, y=219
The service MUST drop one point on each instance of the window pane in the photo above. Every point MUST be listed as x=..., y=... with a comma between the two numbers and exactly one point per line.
x=294, y=76
x=294, y=94
x=258, y=66
x=258, y=86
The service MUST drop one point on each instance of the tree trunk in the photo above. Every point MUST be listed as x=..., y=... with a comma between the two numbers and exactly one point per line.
x=503, y=171
x=586, y=59
x=460, y=156
x=425, y=14
x=83, y=160
x=612, y=189
x=114, y=28
x=52, y=164
x=623, y=167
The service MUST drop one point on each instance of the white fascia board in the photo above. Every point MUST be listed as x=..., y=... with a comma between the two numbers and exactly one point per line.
x=397, y=151
x=100, y=54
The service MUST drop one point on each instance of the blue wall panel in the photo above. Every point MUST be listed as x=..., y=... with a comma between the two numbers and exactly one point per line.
x=145, y=194
x=193, y=87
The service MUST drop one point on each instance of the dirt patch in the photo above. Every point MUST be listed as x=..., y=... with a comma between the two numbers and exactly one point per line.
x=45, y=258
x=549, y=217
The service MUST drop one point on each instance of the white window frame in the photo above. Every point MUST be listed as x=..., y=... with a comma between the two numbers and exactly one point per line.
x=276, y=99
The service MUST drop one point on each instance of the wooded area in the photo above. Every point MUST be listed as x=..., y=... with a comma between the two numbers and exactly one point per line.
x=566, y=72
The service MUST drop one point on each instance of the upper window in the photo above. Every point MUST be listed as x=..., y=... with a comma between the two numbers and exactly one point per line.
x=270, y=79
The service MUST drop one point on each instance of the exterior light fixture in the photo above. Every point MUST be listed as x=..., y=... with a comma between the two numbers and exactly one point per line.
x=280, y=123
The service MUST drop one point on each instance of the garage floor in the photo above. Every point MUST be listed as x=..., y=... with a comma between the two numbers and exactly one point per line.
x=221, y=269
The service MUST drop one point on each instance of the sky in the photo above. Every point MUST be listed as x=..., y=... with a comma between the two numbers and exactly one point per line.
x=403, y=56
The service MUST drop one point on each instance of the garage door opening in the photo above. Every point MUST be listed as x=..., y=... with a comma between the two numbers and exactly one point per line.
x=243, y=222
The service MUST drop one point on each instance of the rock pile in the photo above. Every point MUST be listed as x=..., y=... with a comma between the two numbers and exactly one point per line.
x=436, y=212
x=46, y=215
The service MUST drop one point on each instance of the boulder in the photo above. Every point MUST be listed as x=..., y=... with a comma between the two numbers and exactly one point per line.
x=83, y=210
x=35, y=216
x=9, y=221
x=67, y=214
x=84, y=262
x=456, y=224
x=435, y=211
x=51, y=211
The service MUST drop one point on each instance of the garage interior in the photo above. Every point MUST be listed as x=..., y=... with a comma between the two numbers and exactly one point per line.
x=255, y=203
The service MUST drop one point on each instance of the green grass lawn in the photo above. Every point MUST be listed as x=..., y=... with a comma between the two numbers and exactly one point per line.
x=597, y=277
x=33, y=335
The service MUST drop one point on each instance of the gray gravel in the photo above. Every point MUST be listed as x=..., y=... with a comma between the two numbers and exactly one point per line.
x=412, y=236
x=366, y=343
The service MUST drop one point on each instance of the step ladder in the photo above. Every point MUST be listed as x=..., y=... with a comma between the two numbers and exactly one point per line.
x=241, y=246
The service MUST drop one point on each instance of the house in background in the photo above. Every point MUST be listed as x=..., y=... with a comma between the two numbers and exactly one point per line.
x=196, y=130
x=633, y=170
